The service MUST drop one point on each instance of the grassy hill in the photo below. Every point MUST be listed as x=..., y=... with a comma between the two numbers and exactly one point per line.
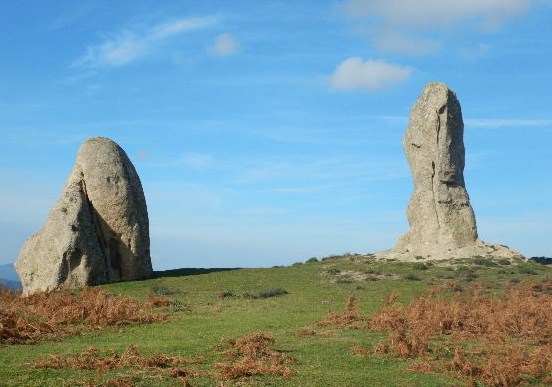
x=305, y=325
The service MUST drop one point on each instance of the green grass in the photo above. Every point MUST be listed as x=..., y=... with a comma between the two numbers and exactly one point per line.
x=286, y=299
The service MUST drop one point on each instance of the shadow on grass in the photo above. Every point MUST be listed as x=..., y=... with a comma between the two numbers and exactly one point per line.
x=190, y=271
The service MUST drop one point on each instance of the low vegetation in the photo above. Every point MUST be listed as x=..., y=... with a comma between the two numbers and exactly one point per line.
x=339, y=320
x=252, y=356
x=158, y=366
x=499, y=340
x=52, y=316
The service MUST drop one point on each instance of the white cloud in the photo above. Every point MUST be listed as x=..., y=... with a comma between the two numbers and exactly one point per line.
x=400, y=26
x=501, y=123
x=370, y=75
x=475, y=52
x=395, y=41
x=166, y=30
x=130, y=45
x=225, y=45
x=435, y=13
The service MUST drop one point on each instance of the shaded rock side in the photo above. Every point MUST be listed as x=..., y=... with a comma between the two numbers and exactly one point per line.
x=442, y=221
x=97, y=232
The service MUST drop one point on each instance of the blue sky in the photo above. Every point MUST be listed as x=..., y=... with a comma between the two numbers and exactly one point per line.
x=268, y=132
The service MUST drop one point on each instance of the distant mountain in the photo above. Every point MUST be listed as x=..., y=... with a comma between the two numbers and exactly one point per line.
x=10, y=284
x=8, y=272
x=8, y=276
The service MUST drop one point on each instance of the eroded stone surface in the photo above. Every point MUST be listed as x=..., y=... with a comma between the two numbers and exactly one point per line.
x=442, y=221
x=97, y=232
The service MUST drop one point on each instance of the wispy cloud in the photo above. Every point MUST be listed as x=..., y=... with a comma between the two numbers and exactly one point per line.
x=71, y=14
x=500, y=122
x=472, y=53
x=225, y=45
x=188, y=160
x=370, y=75
x=432, y=13
x=173, y=198
x=395, y=41
x=196, y=160
x=407, y=26
x=294, y=174
x=129, y=45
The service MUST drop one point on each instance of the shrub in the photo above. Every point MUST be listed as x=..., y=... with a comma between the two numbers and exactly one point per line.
x=226, y=294
x=504, y=262
x=420, y=266
x=331, y=257
x=526, y=270
x=465, y=273
x=312, y=260
x=164, y=291
x=265, y=293
x=412, y=277
x=481, y=261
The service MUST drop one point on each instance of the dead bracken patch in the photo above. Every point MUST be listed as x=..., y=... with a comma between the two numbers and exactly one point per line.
x=93, y=359
x=313, y=332
x=349, y=318
x=159, y=365
x=501, y=340
x=157, y=301
x=252, y=356
x=360, y=351
x=57, y=314
x=120, y=381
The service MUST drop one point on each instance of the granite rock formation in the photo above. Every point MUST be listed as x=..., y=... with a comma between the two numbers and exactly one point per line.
x=442, y=221
x=97, y=232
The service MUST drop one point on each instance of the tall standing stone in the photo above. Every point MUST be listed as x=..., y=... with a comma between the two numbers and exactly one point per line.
x=97, y=232
x=442, y=221
x=439, y=212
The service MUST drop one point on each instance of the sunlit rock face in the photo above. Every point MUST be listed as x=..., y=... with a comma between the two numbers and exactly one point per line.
x=97, y=232
x=441, y=218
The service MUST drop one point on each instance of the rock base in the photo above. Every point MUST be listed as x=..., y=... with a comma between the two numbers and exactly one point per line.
x=478, y=249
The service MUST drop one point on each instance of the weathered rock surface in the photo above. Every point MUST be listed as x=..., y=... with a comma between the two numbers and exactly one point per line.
x=97, y=232
x=442, y=221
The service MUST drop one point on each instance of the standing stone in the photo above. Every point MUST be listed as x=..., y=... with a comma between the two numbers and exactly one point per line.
x=442, y=221
x=97, y=232
x=439, y=212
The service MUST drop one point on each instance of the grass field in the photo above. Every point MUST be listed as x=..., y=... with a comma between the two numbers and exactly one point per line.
x=260, y=327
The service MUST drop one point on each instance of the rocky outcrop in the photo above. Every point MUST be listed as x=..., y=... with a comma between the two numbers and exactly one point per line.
x=442, y=221
x=97, y=232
